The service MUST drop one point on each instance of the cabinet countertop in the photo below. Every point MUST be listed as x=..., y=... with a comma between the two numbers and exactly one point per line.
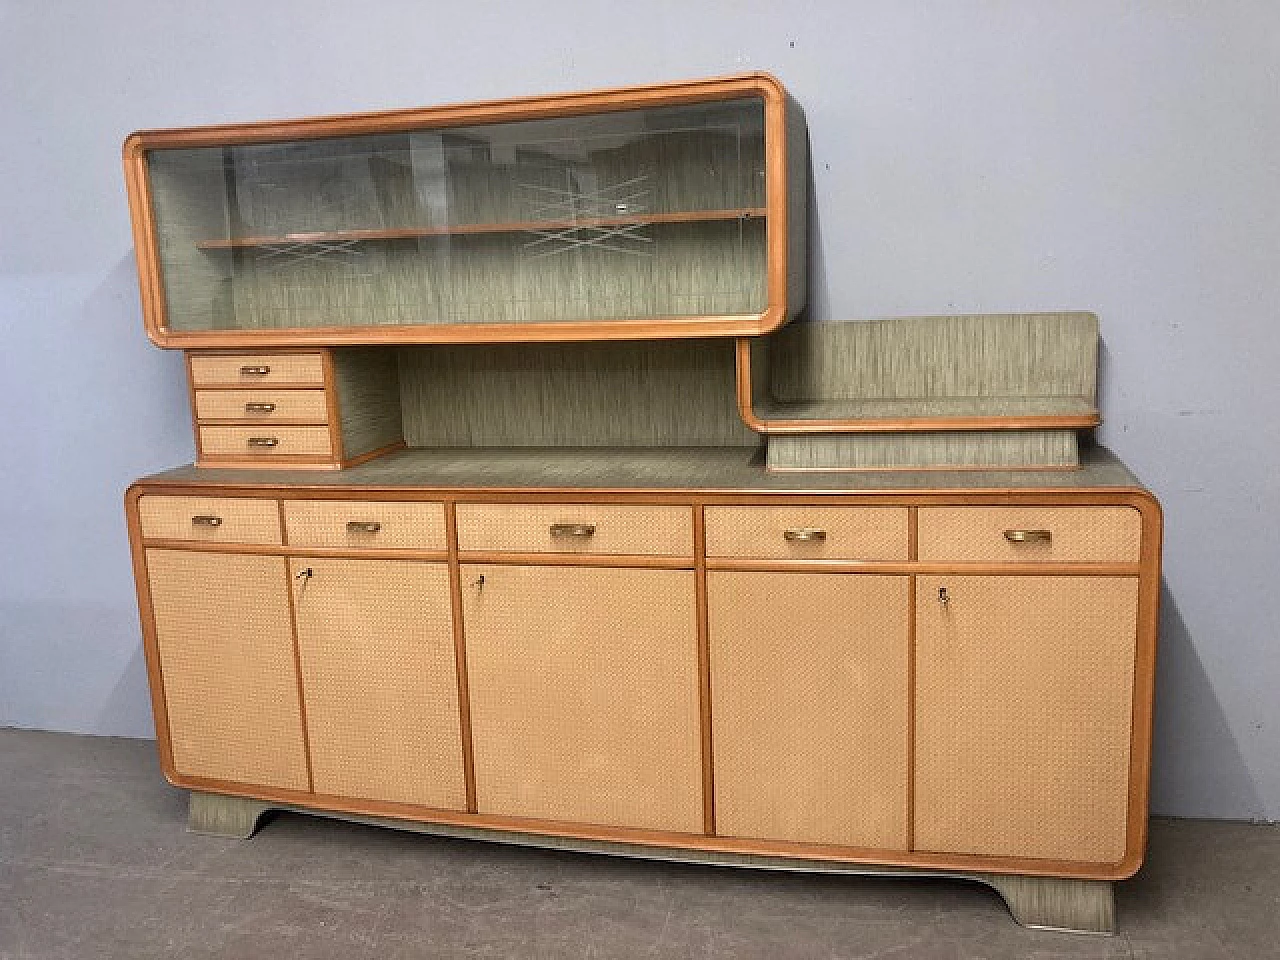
x=719, y=469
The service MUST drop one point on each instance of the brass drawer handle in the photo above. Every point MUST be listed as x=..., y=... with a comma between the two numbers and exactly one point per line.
x=206, y=520
x=804, y=535
x=260, y=371
x=259, y=408
x=363, y=526
x=1028, y=536
x=263, y=441
x=581, y=530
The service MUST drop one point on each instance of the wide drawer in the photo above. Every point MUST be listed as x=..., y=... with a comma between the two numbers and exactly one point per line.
x=263, y=406
x=369, y=524
x=209, y=519
x=807, y=533
x=604, y=528
x=265, y=441
x=1101, y=534
x=247, y=369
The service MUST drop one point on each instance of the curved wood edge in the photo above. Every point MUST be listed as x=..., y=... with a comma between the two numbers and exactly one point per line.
x=650, y=328
x=654, y=838
x=542, y=106
x=746, y=410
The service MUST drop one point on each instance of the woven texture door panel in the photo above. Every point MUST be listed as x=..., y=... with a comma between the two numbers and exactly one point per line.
x=226, y=656
x=584, y=694
x=809, y=706
x=376, y=642
x=1024, y=692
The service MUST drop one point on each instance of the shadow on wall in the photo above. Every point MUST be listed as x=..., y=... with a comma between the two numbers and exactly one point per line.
x=1191, y=727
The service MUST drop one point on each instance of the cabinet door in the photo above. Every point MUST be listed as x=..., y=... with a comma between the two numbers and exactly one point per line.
x=1024, y=692
x=227, y=662
x=375, y=638
x=809, y=706
x=584, y=694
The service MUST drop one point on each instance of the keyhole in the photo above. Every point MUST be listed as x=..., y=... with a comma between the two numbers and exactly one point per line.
x=478, y=584
x=943, y=597
x=305, y=575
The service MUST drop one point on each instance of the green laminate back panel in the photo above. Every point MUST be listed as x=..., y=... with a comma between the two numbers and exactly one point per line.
x=368, y=386
x=937, y=365
x=968, y=449
x=614, y=394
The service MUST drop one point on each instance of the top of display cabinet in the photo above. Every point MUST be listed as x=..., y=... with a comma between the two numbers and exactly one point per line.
x=672, y=210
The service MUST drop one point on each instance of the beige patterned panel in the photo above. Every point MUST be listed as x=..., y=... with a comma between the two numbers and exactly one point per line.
x=1079, y=534
x=323, y=523
x=378, y=675
x=852, y=533
x=1024, y=689
x=809, y=706
x=292, y=441
x=226, y=656
x=220, y=371
x=240, y=519
x=584, y=694
x=619, y=529
x=305, y=405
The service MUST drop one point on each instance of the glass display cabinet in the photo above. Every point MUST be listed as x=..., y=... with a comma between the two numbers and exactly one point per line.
x=652, y=212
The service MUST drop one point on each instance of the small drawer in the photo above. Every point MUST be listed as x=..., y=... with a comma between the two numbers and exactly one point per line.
x=605, y=528
x=262, y=406
x=808, y=533
x=1104, y=534
x=210, y=519
x=265, y=442
x=369, y=524
x=248, y=369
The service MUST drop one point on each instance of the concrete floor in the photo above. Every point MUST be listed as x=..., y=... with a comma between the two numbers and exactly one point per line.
x=95, y=862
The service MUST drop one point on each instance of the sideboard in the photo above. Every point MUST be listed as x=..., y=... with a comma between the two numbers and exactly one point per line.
x=462, y=559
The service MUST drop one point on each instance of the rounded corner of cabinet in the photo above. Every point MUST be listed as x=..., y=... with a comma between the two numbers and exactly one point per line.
x=769, y=86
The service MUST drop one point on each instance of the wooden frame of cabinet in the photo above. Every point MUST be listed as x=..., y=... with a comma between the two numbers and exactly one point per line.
x=1145, y=569
x=784, y=215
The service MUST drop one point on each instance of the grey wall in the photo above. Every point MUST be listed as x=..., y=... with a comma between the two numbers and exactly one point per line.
x=968, y=157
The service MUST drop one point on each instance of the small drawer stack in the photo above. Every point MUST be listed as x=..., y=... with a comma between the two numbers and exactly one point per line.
x=263, y=408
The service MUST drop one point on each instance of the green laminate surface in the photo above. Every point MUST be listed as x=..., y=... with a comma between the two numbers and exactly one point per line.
x=662, y=468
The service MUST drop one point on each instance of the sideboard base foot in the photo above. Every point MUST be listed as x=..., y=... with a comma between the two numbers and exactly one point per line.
x=222, y=816
x=1053, y=903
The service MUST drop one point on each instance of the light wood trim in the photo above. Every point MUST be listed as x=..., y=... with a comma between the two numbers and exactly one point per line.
x=666, y=563
x=373, y=454
x=297, y=655
x=869, y=566
x=410, y=233
x=327, y=553
x=704, y=669
x=925, y=496
x=911, y=712
x=147, y=622
x=576, y=560
x=278, y=461
x=191, y=401
x=1144, y=682
x=656, y=838
x=544, y=106
x=333, y=411
x=746, y=410
x=460, y=654
x=761, y=85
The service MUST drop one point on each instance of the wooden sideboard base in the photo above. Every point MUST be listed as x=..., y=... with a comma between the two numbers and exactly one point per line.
x=1042, y=903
